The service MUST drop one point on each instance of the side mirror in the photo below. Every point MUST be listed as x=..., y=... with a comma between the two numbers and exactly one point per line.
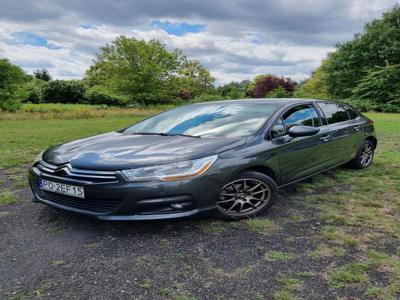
x=300, y=130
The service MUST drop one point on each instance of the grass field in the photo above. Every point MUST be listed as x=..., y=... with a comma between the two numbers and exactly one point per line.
x=336, y=236
x=78, y=111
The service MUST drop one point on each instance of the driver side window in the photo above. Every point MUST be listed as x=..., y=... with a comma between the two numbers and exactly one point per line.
x=299, y=115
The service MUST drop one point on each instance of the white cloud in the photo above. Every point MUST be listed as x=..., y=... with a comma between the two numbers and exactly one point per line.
x=243, y=38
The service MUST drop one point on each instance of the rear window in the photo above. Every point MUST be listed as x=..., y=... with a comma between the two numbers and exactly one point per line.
x=334, y=112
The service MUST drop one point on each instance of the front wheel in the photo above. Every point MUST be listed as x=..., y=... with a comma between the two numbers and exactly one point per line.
x=364, y=156
x=247, y=195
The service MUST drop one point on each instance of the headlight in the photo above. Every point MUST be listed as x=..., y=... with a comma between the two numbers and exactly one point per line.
x=38, y=157
x=171, y=172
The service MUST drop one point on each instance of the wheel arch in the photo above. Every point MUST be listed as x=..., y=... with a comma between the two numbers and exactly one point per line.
x=373, y=140
x=264, y=170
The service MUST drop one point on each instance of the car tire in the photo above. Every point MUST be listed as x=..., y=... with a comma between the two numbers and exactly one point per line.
x=245, y=196
x=364, y=157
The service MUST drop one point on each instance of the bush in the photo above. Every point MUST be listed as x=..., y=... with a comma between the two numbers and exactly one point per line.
x=10, y=105
x=234, y=90
x=34, y=91
x=279, y=92
x=98, y=95
x=265, y=84
x=64, y=91
x=185, y=95
x=208, y=97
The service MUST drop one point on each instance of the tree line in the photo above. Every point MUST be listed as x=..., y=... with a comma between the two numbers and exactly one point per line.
x=363, y=71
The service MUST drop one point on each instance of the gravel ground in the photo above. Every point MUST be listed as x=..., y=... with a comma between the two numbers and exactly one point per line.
x=47, y=253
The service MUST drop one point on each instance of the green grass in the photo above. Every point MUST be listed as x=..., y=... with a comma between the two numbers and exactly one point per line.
x=7, y=197
x=354, y=272
x=277, y=255
x=261, y=225
x=324, y=250
x=290, y=287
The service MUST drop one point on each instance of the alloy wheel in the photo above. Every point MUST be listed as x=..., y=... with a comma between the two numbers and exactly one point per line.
x=243, y=197
x=366, y=155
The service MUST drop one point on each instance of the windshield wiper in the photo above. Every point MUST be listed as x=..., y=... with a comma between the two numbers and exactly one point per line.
x=166, y=134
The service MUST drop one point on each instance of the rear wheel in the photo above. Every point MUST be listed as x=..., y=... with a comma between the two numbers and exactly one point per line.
x=248, y=195
x=364, y=156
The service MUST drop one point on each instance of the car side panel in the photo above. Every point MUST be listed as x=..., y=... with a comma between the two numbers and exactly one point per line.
x=346, y=138
x=301, y=157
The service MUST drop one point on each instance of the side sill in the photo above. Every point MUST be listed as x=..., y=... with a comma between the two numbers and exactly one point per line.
x=301, y=179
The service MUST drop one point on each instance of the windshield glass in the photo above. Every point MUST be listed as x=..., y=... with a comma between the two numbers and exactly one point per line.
x=208, y=120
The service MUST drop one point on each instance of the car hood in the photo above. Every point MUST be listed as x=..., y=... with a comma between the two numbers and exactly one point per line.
x=115, y=150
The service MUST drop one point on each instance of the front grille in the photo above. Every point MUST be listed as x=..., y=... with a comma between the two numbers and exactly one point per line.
x=67, y=171
x=90, y=204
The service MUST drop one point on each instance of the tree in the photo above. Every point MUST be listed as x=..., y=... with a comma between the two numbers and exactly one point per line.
x=381, y=84
x=12, y=79
x=234, y=90
x=194, y=79
x=377, y=46
x=138, y=70
x=314, y=87
x=42, y=74
x=263, y=84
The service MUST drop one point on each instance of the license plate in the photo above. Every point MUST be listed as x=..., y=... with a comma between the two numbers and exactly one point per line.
x=61, y=188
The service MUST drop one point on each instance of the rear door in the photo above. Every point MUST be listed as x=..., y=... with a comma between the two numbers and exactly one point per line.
x=301, y=156
x=345, y=127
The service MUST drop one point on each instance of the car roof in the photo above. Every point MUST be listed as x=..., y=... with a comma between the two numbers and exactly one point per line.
x=283, y=101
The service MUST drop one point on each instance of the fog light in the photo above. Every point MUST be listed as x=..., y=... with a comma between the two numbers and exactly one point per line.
x=177, y=205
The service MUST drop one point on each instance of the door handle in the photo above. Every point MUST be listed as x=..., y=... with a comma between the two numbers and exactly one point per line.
x=326, y=138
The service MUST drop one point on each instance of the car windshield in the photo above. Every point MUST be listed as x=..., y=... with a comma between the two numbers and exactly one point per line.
x=207, y=120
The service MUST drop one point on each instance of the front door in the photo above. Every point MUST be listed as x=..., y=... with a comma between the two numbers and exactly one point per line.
x=301, y=156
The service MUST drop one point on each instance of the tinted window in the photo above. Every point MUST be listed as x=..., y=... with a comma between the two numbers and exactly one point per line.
x=210, y=120
x=352, y=113
x=278, y=129
x=334, y=113
x=301, y=115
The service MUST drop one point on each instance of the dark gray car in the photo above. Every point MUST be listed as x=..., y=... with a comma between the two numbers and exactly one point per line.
x=226, y=157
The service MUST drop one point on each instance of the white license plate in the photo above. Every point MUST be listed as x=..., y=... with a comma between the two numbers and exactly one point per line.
x=61, y=188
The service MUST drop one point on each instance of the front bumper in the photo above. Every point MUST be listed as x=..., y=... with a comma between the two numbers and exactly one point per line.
x=122, y=200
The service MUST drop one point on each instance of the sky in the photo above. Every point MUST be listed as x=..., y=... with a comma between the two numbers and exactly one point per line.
x=235, y=40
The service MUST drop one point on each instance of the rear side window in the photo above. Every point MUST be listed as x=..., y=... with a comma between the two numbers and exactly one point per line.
x=334, y=112
x=352, y=113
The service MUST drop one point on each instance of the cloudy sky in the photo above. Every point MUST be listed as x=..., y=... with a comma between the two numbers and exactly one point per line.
x=234, y=39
